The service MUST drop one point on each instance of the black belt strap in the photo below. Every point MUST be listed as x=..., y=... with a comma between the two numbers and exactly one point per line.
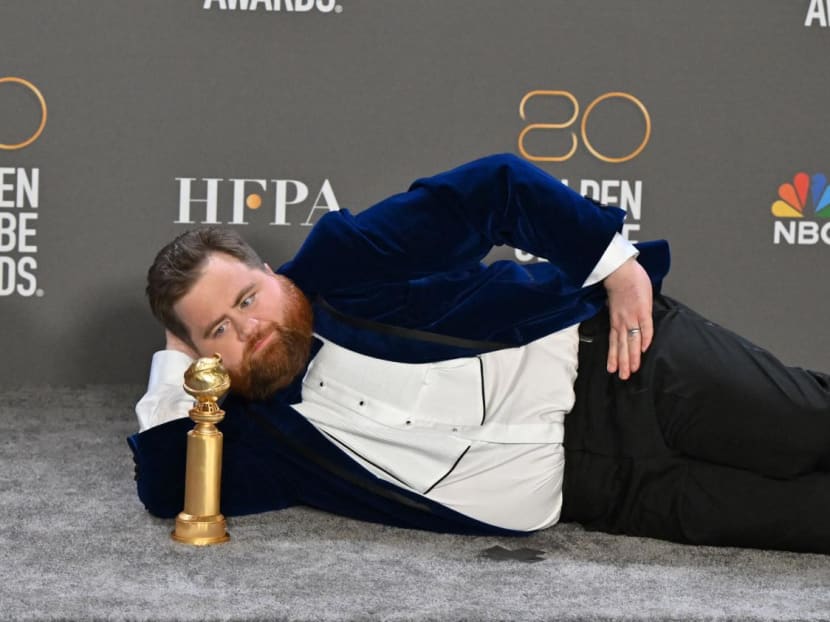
x=412, y=333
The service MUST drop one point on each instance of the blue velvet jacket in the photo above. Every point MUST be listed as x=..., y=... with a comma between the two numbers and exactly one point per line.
x=413, y=260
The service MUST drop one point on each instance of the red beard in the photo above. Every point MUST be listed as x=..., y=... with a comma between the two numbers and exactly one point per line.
x=284, y=357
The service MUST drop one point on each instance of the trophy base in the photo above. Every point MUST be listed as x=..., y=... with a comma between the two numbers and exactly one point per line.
x=200, y=530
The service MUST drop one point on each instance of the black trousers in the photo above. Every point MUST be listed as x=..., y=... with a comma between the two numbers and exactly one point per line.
x=714, y=441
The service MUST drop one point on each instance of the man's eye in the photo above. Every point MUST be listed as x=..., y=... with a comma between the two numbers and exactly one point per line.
x=247, y=301
x=220, y=330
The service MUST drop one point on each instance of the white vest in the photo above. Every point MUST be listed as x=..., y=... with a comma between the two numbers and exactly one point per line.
x=480, y=434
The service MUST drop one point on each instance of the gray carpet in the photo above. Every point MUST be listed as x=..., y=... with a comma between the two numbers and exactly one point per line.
x=77, y=544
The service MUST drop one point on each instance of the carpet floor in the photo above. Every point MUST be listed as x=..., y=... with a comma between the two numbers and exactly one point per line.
x=75, y=543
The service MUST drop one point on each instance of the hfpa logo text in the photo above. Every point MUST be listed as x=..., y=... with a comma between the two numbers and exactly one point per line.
x=818, y=14
x=230, y=201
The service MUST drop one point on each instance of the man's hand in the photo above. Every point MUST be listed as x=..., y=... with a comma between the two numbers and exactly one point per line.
x=629, y=307
x=174, y=343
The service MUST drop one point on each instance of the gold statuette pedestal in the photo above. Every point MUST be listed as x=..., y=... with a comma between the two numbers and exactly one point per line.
x=201, y=523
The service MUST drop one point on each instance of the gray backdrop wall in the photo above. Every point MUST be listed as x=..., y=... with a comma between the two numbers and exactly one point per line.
x=706, y=120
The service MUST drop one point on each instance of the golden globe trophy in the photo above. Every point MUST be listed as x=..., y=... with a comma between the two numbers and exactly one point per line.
x=200, y=522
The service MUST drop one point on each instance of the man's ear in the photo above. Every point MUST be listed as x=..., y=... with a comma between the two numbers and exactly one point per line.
x=268, y=267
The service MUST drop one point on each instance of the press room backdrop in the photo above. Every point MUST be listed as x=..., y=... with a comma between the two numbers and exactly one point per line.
x=707, y=121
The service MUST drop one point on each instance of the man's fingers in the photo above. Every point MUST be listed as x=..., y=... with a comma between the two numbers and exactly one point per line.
x=612, y=352
x=635, y=338
x=623, y=354
x=627, y=341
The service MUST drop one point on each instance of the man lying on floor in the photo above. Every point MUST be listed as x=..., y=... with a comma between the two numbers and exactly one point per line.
x=434, y=392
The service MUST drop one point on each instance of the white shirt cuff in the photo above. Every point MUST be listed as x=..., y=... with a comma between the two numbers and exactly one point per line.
x=165, y=398
x=168, y=367
x=617, y=253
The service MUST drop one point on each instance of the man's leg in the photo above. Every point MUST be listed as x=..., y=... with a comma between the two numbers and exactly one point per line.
x=719, y=398
x=712, y=442
x=694, y=502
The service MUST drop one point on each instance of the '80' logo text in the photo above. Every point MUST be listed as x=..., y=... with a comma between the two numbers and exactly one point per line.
x=559, y=125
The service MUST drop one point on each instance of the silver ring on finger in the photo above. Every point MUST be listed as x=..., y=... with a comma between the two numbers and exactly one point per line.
x=633, y=332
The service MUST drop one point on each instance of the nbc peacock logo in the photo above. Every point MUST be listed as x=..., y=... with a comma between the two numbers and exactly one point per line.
x=799, y=209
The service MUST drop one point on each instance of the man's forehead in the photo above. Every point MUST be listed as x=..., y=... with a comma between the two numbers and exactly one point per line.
x=220, y=281
x=223, y=270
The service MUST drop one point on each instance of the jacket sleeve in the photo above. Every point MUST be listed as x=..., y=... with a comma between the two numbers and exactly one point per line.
x=252, y=477
x=165, y=398
x=451, y=221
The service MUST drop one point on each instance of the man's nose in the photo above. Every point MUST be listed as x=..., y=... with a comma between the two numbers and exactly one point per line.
x=247, y=327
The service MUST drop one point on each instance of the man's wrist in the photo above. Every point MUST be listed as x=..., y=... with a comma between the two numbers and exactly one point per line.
x=618, y=251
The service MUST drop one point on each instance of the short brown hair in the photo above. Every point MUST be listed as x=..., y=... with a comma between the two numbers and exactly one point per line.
x=178, y=266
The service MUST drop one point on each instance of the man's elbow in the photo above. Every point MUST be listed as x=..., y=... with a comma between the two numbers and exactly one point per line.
x=161, y=497
x=159, y=475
